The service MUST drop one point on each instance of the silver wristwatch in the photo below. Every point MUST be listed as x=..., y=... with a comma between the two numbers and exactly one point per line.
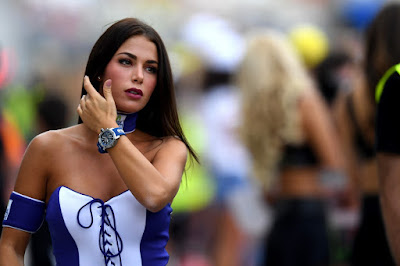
x=108, y=138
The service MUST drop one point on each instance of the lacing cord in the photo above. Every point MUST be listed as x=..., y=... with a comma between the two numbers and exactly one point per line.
x=104, y=236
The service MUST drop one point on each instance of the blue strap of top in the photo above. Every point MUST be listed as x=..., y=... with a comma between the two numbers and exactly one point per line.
x=104, y=236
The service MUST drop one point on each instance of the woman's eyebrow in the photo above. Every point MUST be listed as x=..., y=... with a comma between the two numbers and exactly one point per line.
x=134, y=57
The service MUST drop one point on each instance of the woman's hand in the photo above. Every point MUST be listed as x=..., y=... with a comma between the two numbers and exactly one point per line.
x=95, y=110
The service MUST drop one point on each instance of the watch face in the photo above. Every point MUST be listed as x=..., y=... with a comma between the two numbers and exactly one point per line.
x=106, y=138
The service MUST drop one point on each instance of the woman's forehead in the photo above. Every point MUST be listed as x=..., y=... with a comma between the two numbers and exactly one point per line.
x=139, y=46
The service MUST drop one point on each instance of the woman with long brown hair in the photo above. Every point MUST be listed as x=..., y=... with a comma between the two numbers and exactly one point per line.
x=105, y=186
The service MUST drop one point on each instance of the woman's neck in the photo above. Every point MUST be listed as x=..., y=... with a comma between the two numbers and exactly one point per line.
x=127, y=121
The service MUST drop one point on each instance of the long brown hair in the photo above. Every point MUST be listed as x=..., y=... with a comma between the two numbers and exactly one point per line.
x=159, y=117
x=382, y=45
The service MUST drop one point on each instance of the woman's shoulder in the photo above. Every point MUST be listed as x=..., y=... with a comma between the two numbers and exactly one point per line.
x=172, y=149
x=175, y=141
x=54, y=138
x=314, y=112
x=170, y=143
x=174, y=144
x=142, y=136
x=311, y=100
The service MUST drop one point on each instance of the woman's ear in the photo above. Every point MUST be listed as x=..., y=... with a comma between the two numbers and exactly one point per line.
x=99, y=80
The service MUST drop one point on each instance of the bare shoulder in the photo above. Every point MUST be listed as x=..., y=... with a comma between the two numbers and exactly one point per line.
x=52, y=138
x=40, y=159
x=315, y=114
x=174, y=147
x=148, y=144
x=310, y=99
x=175, y=142
x=312, y=105
x=44, y=141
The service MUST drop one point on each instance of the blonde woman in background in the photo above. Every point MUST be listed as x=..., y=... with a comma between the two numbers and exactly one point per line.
x=287, y=129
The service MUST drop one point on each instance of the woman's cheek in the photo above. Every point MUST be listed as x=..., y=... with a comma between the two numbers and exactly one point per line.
x=153, y=86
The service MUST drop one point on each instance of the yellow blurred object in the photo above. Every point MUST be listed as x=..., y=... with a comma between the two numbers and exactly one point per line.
x=197, y=189
x=188, y=61
x=310, y=42
x=196, y=192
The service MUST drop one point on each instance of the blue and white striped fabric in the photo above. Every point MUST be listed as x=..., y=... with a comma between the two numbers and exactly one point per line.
x=87, y=231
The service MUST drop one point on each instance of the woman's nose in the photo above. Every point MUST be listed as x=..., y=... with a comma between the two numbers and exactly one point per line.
x=137, y=74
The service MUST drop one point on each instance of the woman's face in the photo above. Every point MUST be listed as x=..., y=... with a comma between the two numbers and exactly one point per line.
x=133, y=70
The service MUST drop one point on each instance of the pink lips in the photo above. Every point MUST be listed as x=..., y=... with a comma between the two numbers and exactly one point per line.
x=134, y=93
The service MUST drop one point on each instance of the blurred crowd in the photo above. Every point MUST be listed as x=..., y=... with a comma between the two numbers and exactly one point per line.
x=276, y=168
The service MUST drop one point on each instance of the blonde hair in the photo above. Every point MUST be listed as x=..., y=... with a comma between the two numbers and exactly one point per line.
x=271, y=79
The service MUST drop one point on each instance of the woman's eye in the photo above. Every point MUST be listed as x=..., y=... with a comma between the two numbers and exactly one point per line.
x=151, y=69
x=125, y=62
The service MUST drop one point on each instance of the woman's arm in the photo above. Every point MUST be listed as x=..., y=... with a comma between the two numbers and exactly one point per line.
x=345, y=129
x=31, y=182
x=320, y=130
x=389, y=178
x=154, y=184
x=13, y=243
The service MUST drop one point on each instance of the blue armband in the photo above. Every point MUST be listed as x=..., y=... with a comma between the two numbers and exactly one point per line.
x=24, y=213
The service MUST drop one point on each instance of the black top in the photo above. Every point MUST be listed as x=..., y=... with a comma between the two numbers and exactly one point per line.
x=298, y=156
x=388, y=117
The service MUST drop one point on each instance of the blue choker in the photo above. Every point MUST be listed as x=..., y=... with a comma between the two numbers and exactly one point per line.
x=127, y=121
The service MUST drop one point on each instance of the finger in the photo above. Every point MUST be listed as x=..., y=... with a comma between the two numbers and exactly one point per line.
x=87, y=85
x=82, y=102
x=107, y=90
x=79, y=110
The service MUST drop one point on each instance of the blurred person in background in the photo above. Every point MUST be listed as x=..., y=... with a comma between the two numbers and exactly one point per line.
x=229, y=236
x=12, y=143
x=106, y=184
x=330, y=64
x=355, y=117
x=3, y=160
x=2, y=178
x=382, y=72
x=51, y=115
x=191, y=227
x=291, y=138
x=334, y=77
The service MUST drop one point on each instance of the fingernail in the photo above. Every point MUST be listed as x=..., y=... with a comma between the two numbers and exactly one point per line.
x=108, y=83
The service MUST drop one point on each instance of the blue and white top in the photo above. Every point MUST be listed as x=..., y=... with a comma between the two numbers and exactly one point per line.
x=87, y=231
x=90, y=232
